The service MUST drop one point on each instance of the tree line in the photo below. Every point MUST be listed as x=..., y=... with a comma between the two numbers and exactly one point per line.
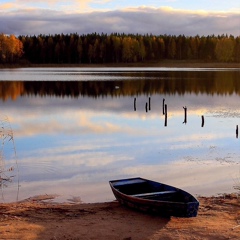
x=121, y=48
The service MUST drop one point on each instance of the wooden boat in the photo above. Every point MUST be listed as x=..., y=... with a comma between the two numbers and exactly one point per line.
x=154, y=197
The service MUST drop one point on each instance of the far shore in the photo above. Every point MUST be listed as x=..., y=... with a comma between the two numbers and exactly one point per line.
x=164, y=63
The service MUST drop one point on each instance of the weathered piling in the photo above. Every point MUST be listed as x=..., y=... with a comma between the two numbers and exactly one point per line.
x=135, y=100
x=163, y=106
x=202, y=121
x=237, y=131
x=165, y=110
x=165, y=122
x=146, y=107
x=149, y=103
x=185, y=114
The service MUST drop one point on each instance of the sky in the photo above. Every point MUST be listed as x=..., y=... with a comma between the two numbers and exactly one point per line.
x=171, y=17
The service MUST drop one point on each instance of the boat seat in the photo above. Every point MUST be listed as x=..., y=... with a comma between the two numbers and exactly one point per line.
x=153, y=193
x=128, y=182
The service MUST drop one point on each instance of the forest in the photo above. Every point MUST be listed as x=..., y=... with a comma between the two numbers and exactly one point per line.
x=116, y=48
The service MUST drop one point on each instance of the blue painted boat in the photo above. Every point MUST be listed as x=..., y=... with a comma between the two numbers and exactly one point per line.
x=154, y=197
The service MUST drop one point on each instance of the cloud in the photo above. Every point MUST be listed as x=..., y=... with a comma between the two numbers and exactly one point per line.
x=67, y=6
x=132, y=20
x=221, y=177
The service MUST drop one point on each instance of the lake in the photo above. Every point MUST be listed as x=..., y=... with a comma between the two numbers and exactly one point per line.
x=68, y=131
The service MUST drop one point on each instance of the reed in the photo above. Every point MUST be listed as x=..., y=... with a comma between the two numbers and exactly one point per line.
x=236, y=185
x=8, y=156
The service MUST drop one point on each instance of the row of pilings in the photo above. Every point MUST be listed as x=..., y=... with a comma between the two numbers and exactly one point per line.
x=165, y=112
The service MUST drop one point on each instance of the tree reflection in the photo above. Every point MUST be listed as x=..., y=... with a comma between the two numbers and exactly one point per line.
x=204, y=82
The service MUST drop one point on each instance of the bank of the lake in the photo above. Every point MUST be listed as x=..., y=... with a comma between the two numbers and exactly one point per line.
x=164, y=63
x=218, y=218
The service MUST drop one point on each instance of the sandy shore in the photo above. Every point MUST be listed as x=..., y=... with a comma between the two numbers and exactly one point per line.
x=34, y=219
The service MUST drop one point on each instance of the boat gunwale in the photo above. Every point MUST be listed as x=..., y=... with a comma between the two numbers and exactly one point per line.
x=144, y=200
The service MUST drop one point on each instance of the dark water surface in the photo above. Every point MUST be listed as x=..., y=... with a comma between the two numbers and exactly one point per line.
x=74, y=129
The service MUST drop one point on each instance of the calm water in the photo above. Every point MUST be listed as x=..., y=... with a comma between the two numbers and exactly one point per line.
x=74, y=129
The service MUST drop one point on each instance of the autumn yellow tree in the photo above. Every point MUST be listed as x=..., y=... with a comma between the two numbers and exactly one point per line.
x=127, y=49
x=172, y=48
x=116, y=47
x=224, y=49
x=11, y=48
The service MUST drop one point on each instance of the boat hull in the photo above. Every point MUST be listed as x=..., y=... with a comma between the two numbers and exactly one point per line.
x=154, y=197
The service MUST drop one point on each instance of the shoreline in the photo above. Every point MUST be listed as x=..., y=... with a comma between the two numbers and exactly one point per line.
x=164, y=63
x=218, y=218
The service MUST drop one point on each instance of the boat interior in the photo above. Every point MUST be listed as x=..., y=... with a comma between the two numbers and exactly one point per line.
x=151, y=190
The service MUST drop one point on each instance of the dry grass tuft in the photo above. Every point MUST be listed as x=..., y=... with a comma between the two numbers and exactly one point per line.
x=8, y=159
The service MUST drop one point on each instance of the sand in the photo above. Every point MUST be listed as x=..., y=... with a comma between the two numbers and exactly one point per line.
x=37, y=219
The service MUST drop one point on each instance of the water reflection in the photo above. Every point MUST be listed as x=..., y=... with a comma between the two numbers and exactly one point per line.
x=126, y=84
x=73, y=137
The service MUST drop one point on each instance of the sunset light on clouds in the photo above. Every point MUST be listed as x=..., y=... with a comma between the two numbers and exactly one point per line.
x=205, y=17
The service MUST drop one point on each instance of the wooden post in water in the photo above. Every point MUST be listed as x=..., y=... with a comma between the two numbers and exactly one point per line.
x=146, y=107
x=165, y=122
x=135, y=104
x=185, y=114
x=165, y=109
x=163, y=106
x=202, y=121
x=149, y=104
x=237, y=131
